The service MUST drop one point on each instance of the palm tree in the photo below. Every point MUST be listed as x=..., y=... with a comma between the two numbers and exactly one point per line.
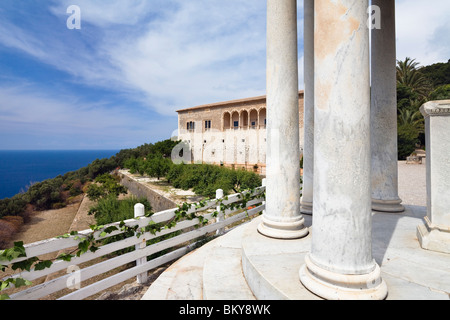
x=409, y=76
x=412, y=119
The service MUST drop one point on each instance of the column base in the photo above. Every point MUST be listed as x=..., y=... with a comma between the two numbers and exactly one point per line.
x=334, y=286
x=433, y=238
x=283, y=230
x=306, y=207
x=387, y=205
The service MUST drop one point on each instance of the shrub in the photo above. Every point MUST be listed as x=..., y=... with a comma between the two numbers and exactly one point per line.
x=9, y=225
x=6, y=232
x=15, y=221
x=12, y=206
x=441, y=93
x=95, y=192
x=157, y=166
x=205, y=179
x=407, y=139
x=110, y=209
x=108, y=185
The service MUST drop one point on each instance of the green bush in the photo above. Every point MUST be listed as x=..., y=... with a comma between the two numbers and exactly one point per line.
x=157, y=166
x=44, y=194
x=110, y=209
x=205, y=179
x=108, y=185
x=12, y=206
x=407, y=139
x=441, y=93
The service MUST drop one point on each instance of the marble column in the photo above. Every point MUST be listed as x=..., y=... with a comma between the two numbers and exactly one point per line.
x=282, y=218
x=306, y=202
x=434, y=234
x=340, y=264
x=384, y=111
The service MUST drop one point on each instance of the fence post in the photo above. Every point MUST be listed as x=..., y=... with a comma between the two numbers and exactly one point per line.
x=264, y=202
x=221, y=214
x=139, y=211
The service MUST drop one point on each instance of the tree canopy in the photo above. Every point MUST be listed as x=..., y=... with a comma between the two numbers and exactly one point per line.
x=415, y=86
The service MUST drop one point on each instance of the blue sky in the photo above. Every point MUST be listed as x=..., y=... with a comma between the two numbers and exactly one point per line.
x=117, y=82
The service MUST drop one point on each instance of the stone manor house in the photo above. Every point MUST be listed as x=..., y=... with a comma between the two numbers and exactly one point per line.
x=230, y=133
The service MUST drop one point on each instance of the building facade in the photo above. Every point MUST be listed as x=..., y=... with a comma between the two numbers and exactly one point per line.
x=230, y=133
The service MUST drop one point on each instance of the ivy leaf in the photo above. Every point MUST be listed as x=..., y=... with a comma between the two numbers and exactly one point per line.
x=83, y=246
x=25, y=264
x=42, y=265
x=10, y=254
x=108, y=230
x=5, y=284
x=20, y=282
x=65, y=257
x=93, y=248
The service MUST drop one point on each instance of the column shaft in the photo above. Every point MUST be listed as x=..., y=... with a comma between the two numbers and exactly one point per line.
x=340, y=265
x=282, y=218
x=384, y=111
x=306, y=203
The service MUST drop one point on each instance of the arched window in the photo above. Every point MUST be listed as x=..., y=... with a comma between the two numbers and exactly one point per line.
x=244, y=119
x=226, y=121
x=235, y=120
x=253, y=119
x=262, y=118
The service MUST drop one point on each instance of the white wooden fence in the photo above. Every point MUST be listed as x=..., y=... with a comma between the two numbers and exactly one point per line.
x=73, y=274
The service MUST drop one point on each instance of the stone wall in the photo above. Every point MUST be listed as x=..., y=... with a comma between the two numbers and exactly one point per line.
x=157, y=201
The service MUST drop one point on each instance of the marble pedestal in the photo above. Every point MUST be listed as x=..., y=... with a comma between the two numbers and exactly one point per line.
x=435, y=233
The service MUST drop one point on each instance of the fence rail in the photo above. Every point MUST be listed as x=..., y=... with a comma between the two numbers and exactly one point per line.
x=182, y=240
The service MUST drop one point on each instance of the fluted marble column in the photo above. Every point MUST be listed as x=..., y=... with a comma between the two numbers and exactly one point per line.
x=340, y=264
x=384, y=112
x=282, y=218
x=306, y=202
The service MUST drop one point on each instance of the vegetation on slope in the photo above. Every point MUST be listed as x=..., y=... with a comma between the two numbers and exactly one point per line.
x=96, y=182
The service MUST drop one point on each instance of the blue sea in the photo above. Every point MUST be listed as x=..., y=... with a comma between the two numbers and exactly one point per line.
x=19, y=169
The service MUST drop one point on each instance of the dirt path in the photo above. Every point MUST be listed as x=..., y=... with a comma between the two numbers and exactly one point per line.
x=48, y=224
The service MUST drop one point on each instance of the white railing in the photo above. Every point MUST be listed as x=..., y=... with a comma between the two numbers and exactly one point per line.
x=180, y=244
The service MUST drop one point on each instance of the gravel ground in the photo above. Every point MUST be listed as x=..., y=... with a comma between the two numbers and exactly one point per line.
x=412, y=187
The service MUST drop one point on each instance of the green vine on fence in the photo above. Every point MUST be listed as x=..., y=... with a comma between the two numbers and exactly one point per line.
x=87, y=242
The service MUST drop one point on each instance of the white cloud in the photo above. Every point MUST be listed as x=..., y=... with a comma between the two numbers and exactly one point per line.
x=423, y=30
x=13, y=36
x=202, y=52
x=26, y=110
x=165, y=54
